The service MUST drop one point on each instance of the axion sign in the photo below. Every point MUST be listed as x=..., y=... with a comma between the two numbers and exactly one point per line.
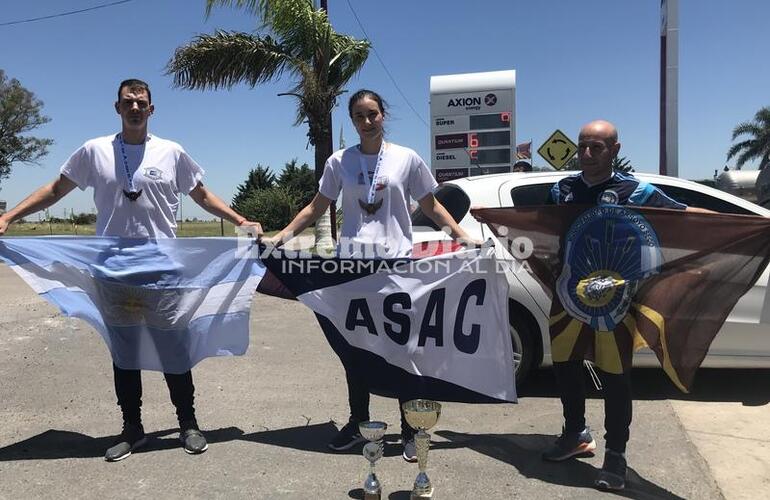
x=472, y=123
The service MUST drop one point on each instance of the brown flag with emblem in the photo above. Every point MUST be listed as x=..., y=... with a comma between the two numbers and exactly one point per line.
x=622, y=278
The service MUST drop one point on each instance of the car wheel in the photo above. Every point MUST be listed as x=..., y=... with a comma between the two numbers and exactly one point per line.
x=523, y=343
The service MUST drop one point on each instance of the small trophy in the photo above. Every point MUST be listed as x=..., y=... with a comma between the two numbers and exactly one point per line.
x=372, y=432
x=422, y=414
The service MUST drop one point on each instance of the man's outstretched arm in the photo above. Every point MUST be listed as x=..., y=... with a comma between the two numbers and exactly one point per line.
x=215, y=206
x=41, y=199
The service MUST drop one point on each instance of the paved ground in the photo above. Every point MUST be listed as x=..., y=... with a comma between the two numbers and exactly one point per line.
x=269, y=414
x=731, y=432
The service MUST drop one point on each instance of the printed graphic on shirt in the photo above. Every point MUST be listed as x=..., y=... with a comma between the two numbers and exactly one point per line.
x=609, y=197
x=380, y=184
x=153, y=173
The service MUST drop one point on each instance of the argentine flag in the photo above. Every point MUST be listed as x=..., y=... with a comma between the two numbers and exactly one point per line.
x=160, y=305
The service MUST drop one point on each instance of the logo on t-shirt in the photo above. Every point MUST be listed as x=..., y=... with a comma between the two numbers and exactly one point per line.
x=153, y=173
x=609, y=197
x=380, y=184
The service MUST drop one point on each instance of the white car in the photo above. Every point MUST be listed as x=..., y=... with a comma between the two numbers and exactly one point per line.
x=743, y=341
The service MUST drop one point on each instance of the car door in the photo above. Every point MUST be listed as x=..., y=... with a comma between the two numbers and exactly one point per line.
x=523, y=192
x=745, y=336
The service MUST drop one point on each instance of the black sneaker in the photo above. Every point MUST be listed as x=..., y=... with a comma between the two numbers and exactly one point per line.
x=612, y=477
x=570, y=444
x=193, y=441
x=347, y=437
x=130, y=439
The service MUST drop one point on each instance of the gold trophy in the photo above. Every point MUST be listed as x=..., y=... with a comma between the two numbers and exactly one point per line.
x=372, y=432
x=422, y=414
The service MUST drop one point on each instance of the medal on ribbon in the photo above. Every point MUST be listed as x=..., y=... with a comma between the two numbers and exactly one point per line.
x=370, y=206
x=132, y=194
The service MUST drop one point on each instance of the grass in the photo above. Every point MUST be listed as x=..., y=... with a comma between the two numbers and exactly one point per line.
x=184, y=229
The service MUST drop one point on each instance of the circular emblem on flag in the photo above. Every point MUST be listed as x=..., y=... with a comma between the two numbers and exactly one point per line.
x=608, y=251
x=490, y=99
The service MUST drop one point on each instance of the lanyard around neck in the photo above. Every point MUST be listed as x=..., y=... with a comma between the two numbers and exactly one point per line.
x=129, y=177
x=365, y=171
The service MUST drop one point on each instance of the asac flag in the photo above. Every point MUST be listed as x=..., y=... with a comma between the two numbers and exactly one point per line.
x=431, y=328
x=623, y=278
x=159, y=304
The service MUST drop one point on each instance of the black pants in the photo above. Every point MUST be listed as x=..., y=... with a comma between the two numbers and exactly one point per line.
x=358, y=398
x=616, y=390
x=128, y=388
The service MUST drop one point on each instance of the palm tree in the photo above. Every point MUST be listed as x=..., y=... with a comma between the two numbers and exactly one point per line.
x=622, y=164
x=757, y=147
x=301, y=42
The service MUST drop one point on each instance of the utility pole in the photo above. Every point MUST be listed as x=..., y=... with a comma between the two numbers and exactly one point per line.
x=330, y=147
x=669, y=87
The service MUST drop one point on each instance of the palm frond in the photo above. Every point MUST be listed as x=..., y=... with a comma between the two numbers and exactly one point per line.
x=749, y=154
x=281, y=15
x=306, y=33
x=351, y=54
x=736, y=148
x=226, y=59
x=757, y=144
x=763, y=117
x=251, y=6
x=746, y=128
x=320, y=60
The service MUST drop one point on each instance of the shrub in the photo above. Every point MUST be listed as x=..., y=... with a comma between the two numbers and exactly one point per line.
x=273, y=207
x=83, y=219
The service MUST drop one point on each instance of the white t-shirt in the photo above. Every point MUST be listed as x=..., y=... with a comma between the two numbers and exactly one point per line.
x=160, y=168
x=388, y=232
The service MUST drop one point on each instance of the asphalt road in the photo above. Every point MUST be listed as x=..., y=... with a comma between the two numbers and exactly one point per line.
x=269, y=414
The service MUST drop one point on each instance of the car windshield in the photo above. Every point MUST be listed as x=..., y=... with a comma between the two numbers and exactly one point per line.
x=454, y=200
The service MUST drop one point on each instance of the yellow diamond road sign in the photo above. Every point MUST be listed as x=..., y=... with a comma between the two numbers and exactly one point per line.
x=558, y=149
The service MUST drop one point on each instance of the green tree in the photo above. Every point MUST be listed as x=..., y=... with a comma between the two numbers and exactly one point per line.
x=301, y=42
x=572, y=164
x=300, y=179
x=273, y=207
x=84, y=218
x=259, y=178
x=19, y=114
x=757, y=146
x=622, y=164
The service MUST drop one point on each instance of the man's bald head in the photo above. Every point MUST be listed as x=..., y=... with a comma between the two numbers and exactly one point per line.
x=600, y=128
x=597, y=146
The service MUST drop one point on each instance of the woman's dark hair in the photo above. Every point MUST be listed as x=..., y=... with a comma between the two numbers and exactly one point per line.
x=364, y=93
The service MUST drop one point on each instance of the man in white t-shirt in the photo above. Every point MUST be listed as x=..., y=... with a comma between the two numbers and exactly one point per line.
x=138, y=180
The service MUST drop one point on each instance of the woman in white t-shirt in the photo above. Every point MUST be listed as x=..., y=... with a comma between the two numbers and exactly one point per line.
x=377, y=180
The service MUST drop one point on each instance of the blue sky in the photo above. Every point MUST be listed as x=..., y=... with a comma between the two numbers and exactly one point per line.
x=575, y=61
